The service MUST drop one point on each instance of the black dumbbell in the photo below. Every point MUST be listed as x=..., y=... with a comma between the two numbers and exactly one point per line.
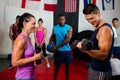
x=86, y=44
x=74, y=43
x=38, y=50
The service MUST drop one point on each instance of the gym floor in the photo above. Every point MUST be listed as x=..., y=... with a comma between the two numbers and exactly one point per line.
x=4, y=62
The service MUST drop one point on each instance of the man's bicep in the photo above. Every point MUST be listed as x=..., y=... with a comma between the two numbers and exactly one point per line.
x=105, y=40
x=52, y=38
x=69, y=34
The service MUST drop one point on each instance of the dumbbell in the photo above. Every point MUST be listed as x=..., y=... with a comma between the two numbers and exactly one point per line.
x=38, y=50
x=86, y=44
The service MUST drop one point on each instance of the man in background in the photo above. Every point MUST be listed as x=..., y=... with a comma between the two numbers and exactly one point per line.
x=61, y=36
x=116, y=46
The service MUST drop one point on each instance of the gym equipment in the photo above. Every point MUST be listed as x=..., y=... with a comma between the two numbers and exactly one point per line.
x=86, y=44
x=50, y=47
x=38, y=50
x=77, y=54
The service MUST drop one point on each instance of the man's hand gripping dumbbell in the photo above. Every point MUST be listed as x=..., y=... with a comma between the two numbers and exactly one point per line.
x=84, y=44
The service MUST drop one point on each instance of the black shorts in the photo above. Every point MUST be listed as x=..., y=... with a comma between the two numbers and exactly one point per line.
x=62, y=57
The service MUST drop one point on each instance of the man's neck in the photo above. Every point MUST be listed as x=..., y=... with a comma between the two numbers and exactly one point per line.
x=61, y=25
x=101, y=22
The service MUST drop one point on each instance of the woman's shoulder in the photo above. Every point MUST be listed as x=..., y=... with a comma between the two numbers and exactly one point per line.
x=36, y=28
x=44, y=28
x=20, y=41
x=21, y=37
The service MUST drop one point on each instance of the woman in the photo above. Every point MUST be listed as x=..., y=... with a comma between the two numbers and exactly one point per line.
x=23, y=52
x=40, y=35
x=13, y=33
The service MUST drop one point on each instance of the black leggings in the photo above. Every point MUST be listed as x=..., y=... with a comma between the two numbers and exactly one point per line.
x=43, y=48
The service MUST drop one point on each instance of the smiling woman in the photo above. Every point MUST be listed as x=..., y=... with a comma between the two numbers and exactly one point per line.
x=23, y=52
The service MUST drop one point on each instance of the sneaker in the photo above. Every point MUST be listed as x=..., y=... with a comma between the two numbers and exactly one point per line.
x=48, y=65
x=10, y=67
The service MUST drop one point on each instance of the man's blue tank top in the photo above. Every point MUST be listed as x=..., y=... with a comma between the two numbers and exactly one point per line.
x=60, y=35
x=101, y=65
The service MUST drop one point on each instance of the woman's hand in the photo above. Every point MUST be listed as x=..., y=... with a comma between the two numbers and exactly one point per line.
x=37, y=56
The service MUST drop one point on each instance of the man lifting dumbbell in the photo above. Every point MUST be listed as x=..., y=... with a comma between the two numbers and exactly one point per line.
x=102, y=38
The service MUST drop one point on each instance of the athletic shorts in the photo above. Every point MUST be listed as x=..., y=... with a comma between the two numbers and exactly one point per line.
x=25, y=79
x=62, y=57
x=116, y=51
x=97, y=75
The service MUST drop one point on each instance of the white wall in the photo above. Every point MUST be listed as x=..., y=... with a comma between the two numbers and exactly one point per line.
x=108, y=15
x=8, y=14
